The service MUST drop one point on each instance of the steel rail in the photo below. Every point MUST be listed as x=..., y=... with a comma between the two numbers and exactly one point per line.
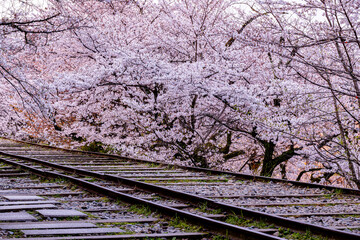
x=214, y=226
x=277, y=220
x=207, y=170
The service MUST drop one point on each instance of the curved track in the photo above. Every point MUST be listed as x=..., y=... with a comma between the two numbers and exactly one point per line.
x=35, y=208
x=239, y=206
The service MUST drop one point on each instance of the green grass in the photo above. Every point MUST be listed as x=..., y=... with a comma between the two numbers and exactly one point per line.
x=90, y=179
x=288, y=234
x=338, y=192
x=34, y=177
x=183, y=225
x=244, y=222
x=54, y=180
x=283, y=232
x=152, y=165
x=218, y=237
x=57, y=196
x=31, y=212
x=215, y=211
x=347, y=216
x=140, y=209
x=90, y=215
x=204, y=208
x=329, y=196
x=170, y=168
x=97, y=147
x=115, y=224
x=106, y=199
x=75, y=218
x=15, y=233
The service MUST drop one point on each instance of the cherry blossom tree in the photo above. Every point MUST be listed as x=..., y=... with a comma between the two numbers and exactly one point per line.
x=318, y=42
x=187, y=92
x=263, y=87
x=30, y=34
x=26, y=26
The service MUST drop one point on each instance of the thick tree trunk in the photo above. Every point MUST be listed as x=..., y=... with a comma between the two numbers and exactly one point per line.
x=268, y=162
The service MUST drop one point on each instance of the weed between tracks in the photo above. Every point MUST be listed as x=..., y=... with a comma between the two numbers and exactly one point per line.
x=170, y=168
x=90, y=215
x=98, y=147
x=244, y=222
x=176, y=222
x=218, y=237
x=15, y=233
x=338, y=192
x=140, y=209
x=106, y=199
x=90, y=179
x=53, y=180
x=75, y=218
x=115, y=224
x=152, y=165
x=182, y=224
x=286, y=233
x=347, y=216
x=4, y=165
x=204, y=208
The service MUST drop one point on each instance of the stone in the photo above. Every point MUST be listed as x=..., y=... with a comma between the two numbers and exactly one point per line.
x=6, y=192
x=22, y=198
x=19, y=216
x=27, y=203
x=26, y=207
x=48, y=225
x=76, y=231
x=61, y=213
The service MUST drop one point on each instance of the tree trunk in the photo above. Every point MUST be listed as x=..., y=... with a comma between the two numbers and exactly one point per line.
x=268, y=163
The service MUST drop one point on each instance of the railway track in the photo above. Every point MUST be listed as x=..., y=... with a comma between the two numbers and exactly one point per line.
x=32, y=208
x=234, y=205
